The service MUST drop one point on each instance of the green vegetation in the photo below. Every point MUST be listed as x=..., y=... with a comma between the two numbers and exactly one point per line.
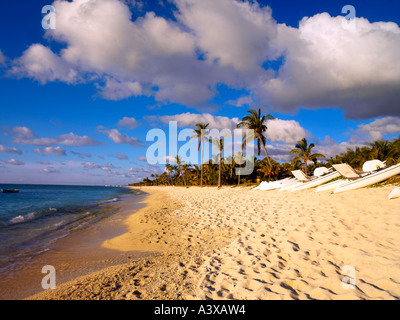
x=222, y=171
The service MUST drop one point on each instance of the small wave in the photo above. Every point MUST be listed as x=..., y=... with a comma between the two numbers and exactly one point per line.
x=20, y=219
x=16, y=220
x=29, y=216
x=111, y=200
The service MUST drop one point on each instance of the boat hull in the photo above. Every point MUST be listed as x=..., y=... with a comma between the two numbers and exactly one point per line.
x=265, y=184
x=279, y=184
x=291, y=186
x=316, y=182
x=9, y=190
x=370, y=179
x=331, y=185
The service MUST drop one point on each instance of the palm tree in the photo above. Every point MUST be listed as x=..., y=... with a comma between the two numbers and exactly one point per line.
x=266, y=170
x=255, y=121
x=303, y=151
x=239, y=159
x=382, y=150
x=185, y=168
x=220, y=146
x=199, y=134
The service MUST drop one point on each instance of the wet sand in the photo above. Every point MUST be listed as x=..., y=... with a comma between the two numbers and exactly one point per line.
x=78, y=254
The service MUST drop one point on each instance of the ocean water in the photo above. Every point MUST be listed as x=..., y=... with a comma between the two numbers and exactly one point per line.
x=34, y=218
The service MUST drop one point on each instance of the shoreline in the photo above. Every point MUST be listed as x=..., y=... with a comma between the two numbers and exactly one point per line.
x=78, y=254
x=234, y=243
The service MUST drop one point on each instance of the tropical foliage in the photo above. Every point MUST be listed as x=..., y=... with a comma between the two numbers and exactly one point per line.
x=222, y=170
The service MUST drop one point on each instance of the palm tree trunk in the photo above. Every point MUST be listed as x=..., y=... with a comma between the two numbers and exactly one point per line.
x=266, y=153
x=219, y=174
x=202, y=155
x=305, y=165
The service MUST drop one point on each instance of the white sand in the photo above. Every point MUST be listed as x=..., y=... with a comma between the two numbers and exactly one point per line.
x=234, y=243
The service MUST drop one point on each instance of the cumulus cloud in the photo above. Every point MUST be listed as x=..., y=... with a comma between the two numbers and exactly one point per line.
x=40, y=63
x=376, y=129
x=14, y=162
x=288, y=131
x=25, y=136
x=326, y=64
x=114, y=89
x=81, y=155
x=50, y=170
x=72, y=139
x=322, y=64
x=230, y=33
x=91, y=165
x=131, y=123
x=10, y=150
x=122, y=156
x=190, y=119
x=51, y=151
x=242, y=101
x=121, y=138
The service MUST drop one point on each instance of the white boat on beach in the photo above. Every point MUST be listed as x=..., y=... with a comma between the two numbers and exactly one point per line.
x=279, y=184
x=349, y=174
x=302, y=178
x=395, y=193
x=316, y=182
x=265, y=186
x=369, y=179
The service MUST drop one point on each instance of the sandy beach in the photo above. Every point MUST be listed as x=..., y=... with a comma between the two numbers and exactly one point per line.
x=237, y=243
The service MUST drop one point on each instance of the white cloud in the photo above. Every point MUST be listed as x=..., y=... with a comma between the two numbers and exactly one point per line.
x=26, y=136
x=376, y=129
x=131, y=123
x=72, y=139
x=288, y=131
x=242, y=101
x=191, y=119
x=328, y=65
x=50, y=151
x=121, y=138
x=23, y=132
x=10, y=150
x=14, y=162
x=81, y=155
x=40, y=63
x=122, y=156
x=50, y=170
x=233, y=33
x=117, y=90
x=221, y=42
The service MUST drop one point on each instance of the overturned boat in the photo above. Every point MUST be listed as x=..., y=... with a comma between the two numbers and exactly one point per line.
x=370, y=179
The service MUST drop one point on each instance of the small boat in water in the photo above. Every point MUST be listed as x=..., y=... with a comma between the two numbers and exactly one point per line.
x=9, y=190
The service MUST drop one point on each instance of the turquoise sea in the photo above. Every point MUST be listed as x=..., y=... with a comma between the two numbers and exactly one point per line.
x=34, y=218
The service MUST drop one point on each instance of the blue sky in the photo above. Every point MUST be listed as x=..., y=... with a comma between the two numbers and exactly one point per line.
x=77, y=102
